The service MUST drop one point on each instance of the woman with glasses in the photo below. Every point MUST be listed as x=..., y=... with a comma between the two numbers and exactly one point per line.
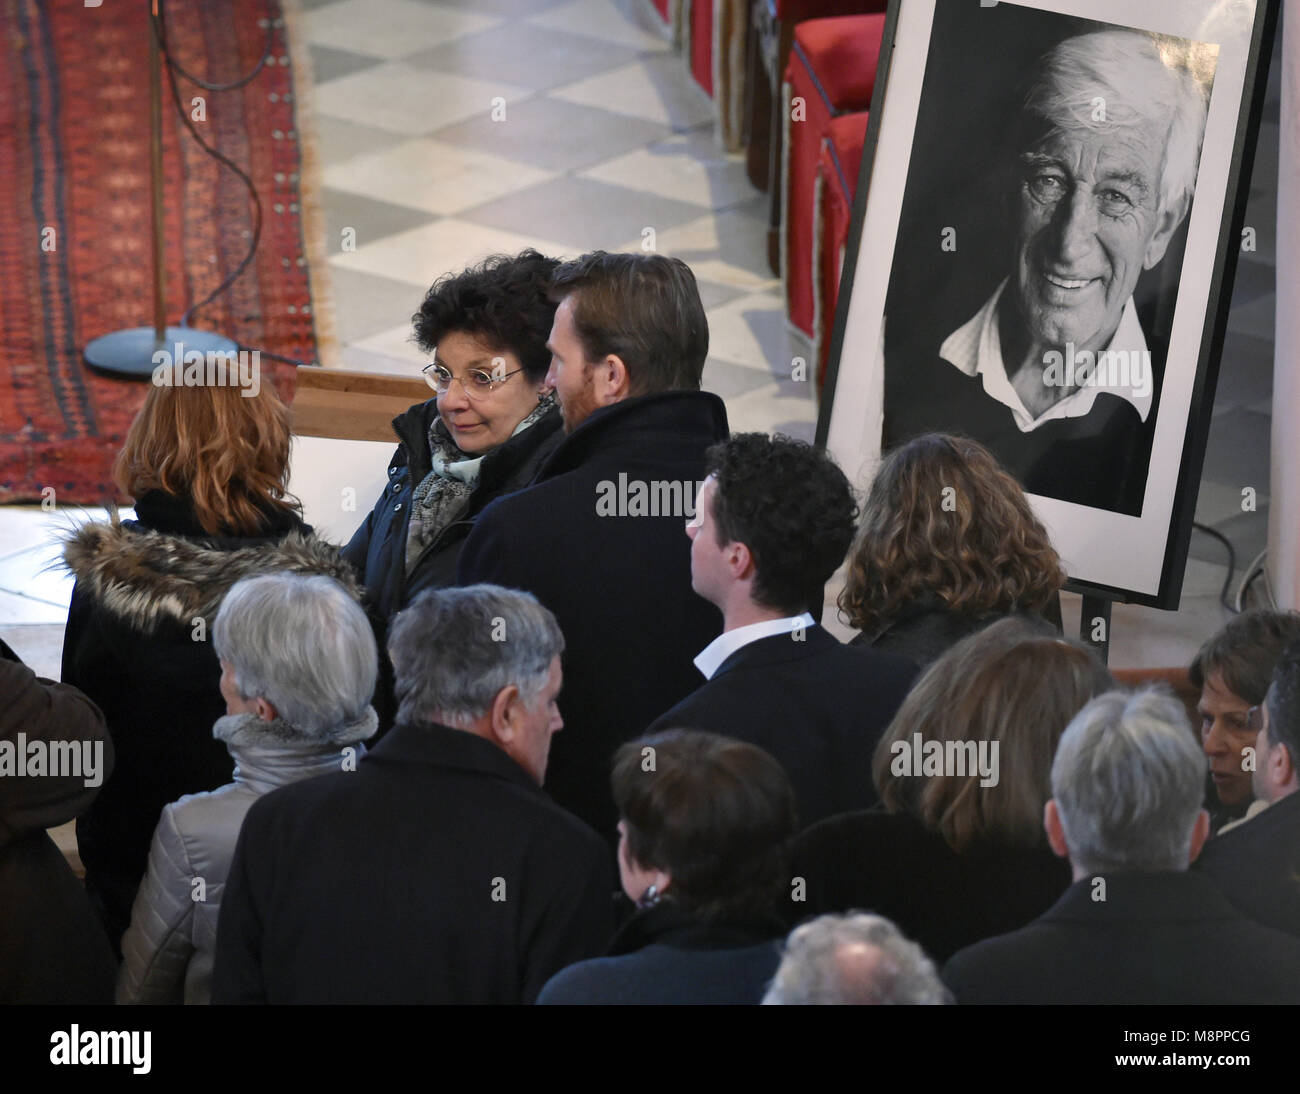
x=490, y=426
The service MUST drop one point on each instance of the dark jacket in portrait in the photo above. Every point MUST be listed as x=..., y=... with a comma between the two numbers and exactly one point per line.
x=817, y=705
x=52, y=947
x=1099, y=459
x=1161, y=939
x=664, y=956
x=925, y=629
x=139, y=644
x=892, y=864
x=437, y=872
x=378, y=547
x=620, y=585
x=1256, y=865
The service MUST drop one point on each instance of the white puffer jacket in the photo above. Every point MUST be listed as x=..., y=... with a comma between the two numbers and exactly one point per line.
x=168, y=950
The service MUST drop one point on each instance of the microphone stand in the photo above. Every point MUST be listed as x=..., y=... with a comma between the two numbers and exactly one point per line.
x=130, y=353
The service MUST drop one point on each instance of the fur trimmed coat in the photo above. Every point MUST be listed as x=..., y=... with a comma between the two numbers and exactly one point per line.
x=138, y=643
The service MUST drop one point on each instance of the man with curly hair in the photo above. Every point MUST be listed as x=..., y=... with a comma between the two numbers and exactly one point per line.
x=772, y=522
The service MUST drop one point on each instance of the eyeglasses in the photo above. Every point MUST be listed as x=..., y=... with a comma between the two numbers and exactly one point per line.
x=476, y=382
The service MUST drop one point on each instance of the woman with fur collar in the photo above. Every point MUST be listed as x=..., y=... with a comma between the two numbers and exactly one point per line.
x=208, y=467
x=294, y=709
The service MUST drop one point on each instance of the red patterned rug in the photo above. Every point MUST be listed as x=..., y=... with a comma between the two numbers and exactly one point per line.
x=75, y=242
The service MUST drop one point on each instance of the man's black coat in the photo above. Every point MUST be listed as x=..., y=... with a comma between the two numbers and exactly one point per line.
x=619, y=585
x=1256, y=865
x=437, y=872
x=815, y=704
x=1165, y=938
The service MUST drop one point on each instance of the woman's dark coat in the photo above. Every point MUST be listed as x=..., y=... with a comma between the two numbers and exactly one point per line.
x=139, y=644
x=52, y=948
x=892, y=864
x=925, y=628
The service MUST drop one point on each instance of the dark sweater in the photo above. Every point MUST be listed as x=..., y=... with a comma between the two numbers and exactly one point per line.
x=892, y=864
x=664, y=956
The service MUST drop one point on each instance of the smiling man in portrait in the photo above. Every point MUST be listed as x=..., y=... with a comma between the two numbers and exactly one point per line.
x=1054, y=373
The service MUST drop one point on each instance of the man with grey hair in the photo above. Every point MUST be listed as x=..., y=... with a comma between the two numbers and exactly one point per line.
x=1054, y=373
x=854, y=959
x=1136, y=926
x=438, y=871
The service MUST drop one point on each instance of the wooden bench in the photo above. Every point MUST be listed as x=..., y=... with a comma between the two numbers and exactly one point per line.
x=354, y=406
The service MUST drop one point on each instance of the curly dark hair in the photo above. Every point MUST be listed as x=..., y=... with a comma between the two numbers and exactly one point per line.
x=715, y=813
x=504, y=300
x=791, y=506
x=943, y=519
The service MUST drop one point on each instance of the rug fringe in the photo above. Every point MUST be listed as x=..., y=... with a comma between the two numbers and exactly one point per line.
x=310, y=188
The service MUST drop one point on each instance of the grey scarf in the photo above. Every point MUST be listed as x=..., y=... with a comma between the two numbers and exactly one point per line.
x=244, y=730
x=443, y=496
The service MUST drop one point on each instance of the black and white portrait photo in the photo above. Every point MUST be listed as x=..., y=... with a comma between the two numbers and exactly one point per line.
x=1067, y=200
x=1035, y=254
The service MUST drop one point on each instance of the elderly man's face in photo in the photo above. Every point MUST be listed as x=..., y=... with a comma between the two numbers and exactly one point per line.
x=1088, y=222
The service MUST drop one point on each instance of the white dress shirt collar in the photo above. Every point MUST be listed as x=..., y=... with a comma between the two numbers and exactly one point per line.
x=728, y=642
x=976, y=349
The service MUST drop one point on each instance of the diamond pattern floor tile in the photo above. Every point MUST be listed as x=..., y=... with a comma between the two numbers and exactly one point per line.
x=533, y=56
x=389, y=28
x=368, y=303
x=679, y=168
x=422, y=255
x=581, y=213
x=437, y=178
x=553, y=134
x=328, y=63
x=625, y=23
x=352, y=219
x=652, y=88
x=410, y=101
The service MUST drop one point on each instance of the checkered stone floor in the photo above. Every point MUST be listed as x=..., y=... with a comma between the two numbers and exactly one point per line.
x=449, y=132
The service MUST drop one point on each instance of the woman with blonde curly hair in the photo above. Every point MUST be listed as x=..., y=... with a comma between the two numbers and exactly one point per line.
x=946, y=545
x=208, y=467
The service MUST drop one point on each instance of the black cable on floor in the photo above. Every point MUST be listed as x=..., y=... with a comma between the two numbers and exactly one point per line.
x=159, y=26
x=1232, y=563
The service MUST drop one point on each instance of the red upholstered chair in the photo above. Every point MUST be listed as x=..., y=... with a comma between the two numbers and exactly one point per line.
x=772, y=26
x=838, y=166
x=832, y=71
x=699, y=42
